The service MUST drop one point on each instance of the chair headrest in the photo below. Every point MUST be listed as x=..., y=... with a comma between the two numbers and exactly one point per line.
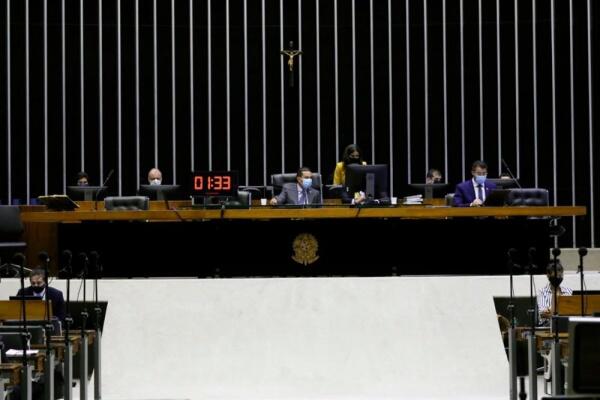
x=126, y=203
x=527, y=197
x=11, y=226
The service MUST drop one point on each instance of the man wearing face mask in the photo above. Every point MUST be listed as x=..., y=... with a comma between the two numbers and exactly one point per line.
x=545, y=296
x=38, y=288
x=300, y=192
x=473, y=192
x=155, y=176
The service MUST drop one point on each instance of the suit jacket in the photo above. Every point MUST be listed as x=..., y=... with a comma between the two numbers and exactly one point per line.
x=465, y=192
x=55, y=296
x=289, y=195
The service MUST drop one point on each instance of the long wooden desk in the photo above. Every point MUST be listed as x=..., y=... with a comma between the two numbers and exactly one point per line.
x=406, y=212
x=268, y=241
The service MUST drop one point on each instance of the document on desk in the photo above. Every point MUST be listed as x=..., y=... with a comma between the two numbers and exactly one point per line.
x=19, y=352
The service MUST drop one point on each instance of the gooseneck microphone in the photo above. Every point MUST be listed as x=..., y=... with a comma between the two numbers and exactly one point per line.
x=110, y=173
x=511, y=174
x=582, y=253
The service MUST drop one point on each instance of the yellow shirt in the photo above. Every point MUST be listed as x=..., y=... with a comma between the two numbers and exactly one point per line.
x=339, y=175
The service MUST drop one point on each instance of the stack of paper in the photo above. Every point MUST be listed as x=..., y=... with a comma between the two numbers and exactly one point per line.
x=19, y=353
x=415, y=199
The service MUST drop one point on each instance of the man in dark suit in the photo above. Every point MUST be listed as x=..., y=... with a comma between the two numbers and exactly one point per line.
x=300, y=192
x=38, y=288
x=473, y=192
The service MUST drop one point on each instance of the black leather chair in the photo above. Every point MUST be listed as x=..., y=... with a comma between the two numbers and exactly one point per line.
x=126, y=203
x=278, y=180
x=527, y=197
x=11, y=229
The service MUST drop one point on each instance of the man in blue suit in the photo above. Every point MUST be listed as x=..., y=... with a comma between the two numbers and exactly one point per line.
x=473, y=192
x=298, y=193
x=38, y=288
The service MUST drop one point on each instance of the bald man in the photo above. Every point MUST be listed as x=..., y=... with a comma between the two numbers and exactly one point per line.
x=155, y=176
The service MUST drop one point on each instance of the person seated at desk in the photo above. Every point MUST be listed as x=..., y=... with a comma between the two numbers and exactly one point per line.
x=38, y=288
x=300, y=192
x=351, y=155
x=433, y=176
x=155, y=176
x=545, y=296
x=473, y=192
x=82, y=179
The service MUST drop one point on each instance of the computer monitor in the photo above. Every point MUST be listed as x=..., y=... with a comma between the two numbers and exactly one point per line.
x=503, y=183
x=87, y=193
x=430, y=190
x=372, y=179
x=584, y=356
x=521, y=307
x=496, y=198
x=161, y=192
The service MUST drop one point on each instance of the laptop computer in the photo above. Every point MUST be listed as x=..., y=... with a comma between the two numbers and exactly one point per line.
x=496, y=198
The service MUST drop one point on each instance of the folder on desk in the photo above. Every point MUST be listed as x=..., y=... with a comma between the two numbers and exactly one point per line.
x=58, y=202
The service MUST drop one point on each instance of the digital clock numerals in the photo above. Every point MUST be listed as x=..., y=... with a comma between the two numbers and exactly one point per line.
x=198, y=183
x=216, y=182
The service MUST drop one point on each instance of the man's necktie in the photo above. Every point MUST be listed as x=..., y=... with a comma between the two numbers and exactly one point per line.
x=302, y=197
x=480, y=192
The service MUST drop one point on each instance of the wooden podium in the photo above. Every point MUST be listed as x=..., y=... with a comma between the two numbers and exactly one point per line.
x=571, y=305
x=11, y=309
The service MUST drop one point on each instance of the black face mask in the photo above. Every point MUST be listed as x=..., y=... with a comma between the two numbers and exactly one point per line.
x=554, y=281
x=353, y=161
x=38, y=289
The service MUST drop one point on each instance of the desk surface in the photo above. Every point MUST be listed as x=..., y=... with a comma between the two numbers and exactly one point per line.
x=407, y=212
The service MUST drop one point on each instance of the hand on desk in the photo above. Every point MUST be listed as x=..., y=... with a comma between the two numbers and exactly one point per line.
x=273, y=201
x=476, y=203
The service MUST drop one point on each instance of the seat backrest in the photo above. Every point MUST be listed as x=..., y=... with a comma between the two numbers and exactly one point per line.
x=527, y=197
x=11, y=226
x=278, y=180
x=244, y=197
x=126, y=203
x=38, y=335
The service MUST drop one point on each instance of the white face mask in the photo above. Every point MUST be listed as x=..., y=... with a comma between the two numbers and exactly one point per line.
x=155, y=181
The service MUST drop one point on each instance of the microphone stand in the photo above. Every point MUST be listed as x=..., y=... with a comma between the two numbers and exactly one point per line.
x=557, y=386
x=68, y=367
x=511, y=174
x=582, y=253
x=531, y=338
x=49, y=367
x=100, y=189
x=26, y=371
x=512, y=340
x=97, y=271
x=83, y=358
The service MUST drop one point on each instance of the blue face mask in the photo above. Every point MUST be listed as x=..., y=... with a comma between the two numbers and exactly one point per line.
x=306, y=183
x=480, y=179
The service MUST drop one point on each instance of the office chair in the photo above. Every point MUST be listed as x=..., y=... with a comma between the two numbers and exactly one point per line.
x=11, y=229
x=278, y=180
x=527, y=197
x=126, y=203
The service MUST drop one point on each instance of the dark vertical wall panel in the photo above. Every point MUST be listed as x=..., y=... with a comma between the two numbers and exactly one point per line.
x=413, y=129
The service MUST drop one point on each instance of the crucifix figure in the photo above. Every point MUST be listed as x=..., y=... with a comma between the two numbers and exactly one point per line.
x=291, y=53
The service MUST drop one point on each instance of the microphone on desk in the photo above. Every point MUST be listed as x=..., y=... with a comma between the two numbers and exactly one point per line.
x=511, y=174
x=512, y=255
x=13, y=267
x=83, y=261
x=66, y=258
x=110, y=173
x=43, y=258
x=531, y=253
x=95, y=266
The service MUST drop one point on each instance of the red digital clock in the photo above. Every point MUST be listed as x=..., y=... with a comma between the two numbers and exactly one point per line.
x=220, y=183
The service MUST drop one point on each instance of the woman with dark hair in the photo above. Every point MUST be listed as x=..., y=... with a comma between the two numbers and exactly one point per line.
x=351, y=155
